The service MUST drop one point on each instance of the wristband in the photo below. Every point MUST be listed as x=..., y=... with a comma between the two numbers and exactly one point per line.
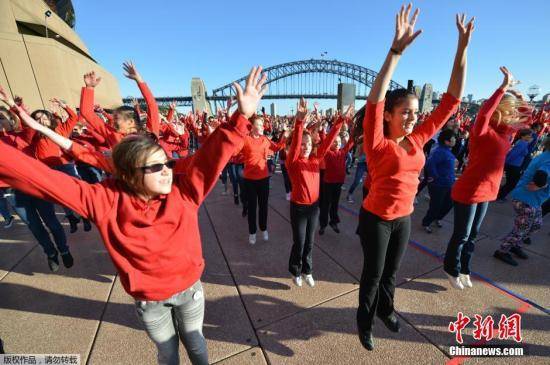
x=393, y=50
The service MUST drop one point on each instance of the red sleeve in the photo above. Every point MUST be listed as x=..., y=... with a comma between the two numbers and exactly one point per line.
x=200, y=173
x=296, y=143
x=91, y=157
x=349, y=145
x=27, y=134
x=373, y=127
x=325, y=145
x=87, y=112
x=170, y=115
x=99, y=139
x=35, y=178
x=107, y=116
x=435, y=121
x=65, y=129
x=483, y=118
x=277, y=146
x=153, y=121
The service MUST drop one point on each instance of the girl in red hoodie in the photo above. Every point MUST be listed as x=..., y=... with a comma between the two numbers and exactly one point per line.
x=395, y=157
x=147, y=216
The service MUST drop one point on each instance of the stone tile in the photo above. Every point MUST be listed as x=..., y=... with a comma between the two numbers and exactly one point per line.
x=254, y=356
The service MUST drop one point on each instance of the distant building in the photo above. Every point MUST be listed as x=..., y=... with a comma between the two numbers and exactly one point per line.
x=425, y=104
x=546, y=98
x=417, y=91
x=273, y=109
x=470, y=98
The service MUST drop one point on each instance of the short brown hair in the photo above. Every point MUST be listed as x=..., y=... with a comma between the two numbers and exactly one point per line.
x=129, y=156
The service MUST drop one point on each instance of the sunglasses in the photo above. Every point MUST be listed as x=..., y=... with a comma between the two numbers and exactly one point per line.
x=158, y=167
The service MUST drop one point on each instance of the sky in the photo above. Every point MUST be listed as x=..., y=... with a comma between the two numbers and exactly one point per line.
x=172, y=41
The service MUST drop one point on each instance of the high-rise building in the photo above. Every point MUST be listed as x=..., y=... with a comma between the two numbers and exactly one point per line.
x=273, y=110
x=426, y=95
x=470, y=98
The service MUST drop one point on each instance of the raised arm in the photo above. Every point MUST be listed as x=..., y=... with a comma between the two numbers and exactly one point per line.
x=153, y=121
x=65, y=129
x=483, y=118
x=201, y=171
x=87, y=105
x=327, y=142
x=296, y=143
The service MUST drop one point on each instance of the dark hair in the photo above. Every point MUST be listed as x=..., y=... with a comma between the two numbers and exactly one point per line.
x=445, y=135
x=128, y=112
x=393, y=99
x=358, y=122
x=540, y=178
x=53, y=121
x=524, y=132
x=129, y=155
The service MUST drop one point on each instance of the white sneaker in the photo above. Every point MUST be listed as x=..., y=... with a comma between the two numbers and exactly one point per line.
x=252, y=238
x=297, y=281
x=310, y=281
x=266, y=235
x=224, y=192
x=288, y=196
x=455, y=282
x=465, y=279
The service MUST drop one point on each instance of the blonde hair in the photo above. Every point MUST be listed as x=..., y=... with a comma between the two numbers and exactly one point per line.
x=506, y=111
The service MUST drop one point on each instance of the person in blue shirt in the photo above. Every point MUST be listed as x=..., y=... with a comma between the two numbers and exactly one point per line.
x=532, y=191
x=514, y=161
x=440, y=169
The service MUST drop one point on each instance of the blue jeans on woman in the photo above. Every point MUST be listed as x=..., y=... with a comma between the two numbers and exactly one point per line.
x=69, y=169
x=4, y=207
x=38, y=213
x=467, y=222
x=358, y=179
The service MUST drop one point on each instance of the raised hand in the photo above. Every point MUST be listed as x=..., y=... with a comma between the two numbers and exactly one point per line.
x=59, y=103
x=508, y=78
x=172, y=105
x=6, y=98
x=91, y=79
x=404, y=29
x=350, y=111
x=464, y=30
x=131, y=71
x=255, y=88
x=301, y=110
x=98, y=108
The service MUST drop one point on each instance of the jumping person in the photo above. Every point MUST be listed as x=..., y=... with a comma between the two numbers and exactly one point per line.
x=147, y=216
x=303, y=169
x=395, y=157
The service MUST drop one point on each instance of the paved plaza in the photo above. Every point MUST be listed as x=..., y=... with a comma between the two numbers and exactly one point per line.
x=255, y=315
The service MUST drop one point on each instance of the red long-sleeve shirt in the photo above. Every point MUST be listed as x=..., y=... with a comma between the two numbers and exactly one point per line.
x=394, y=172
x=304, y=172
x=488, y=147
x=255, y=152
x=154, y=245
x=335, y=164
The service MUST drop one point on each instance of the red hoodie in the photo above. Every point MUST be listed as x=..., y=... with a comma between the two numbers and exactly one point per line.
x=488, y=147
x=155, y=245
x=394, y=172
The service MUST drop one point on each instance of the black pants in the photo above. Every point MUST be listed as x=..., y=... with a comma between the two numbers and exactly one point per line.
x=303, y=219
x=440, y=203
x=545, y=207
x=384, y=244
x=257, y=194
x=329, y=204
x=513, y=174
x=288, y=185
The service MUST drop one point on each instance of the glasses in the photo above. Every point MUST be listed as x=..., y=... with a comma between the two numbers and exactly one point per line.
x=158, y=167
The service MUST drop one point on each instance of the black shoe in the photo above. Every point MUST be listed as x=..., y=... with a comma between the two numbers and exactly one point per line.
x=527, y=241
x=392, y=323
x=73, y=221
x=87, y=225
x=334, y=226
x=236, y=199
x=366, y=339
x=68, y=260
x=519, y=252
x=506, y=257
x=322, y=231
x=53, y=263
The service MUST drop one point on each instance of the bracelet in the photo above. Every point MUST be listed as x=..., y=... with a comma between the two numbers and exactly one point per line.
x=393, y=50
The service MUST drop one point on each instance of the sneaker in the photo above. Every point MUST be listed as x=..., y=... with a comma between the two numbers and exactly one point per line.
x=428, y=229
x=439, y=224
x=297, y=281
x=519, y=252
x=265, y=235
x=321, y=231
x=349, y=199
x=465, y=280
x=334, y=226
x=224, y=192
x=9, y=222
x=87, y=225
x=506, y=257
x=68, y=260
x=236, y=199
x=252, y=239
x=288, y=196
x=527, y=241
x=343, y=187
x=309, y=280
x=455, y=282
x=73, y=221
x=53, y=263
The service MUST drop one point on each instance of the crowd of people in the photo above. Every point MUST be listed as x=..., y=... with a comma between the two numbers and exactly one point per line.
x=140, y=175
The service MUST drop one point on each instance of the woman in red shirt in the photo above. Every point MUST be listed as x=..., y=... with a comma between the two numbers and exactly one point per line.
x=303, y=169
x=395, y=157
x=490, y=141
x=148, y=219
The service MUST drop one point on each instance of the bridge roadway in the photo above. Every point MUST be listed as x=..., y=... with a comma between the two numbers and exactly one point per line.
x=255, y=315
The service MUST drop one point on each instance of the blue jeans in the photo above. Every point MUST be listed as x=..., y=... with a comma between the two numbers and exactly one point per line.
x=440, y=203
x=231, y=170
x=4, y=208
x=467, y=222
x=69, y=169
x=38, y=213
x=181, y=316
x=358, y=179
x=88, y=173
